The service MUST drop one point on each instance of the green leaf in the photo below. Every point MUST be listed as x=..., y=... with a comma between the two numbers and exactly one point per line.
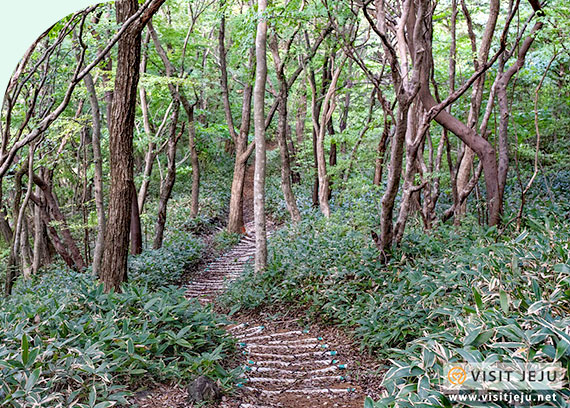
x=32, y=379
x=92, y=396
x=504, y=298
x=562, y=348
x=562, y=268
x=478, y=300
x=483, y=337
x=470, y=338
x=25, y=349
x=130, y=347
x=536, y=307
x=368, y=403
x=104, y=404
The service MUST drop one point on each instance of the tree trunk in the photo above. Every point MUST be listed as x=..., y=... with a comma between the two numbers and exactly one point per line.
x=384, y=243
x=242, y=153
x=466, y=164
x=326, y=114
x=260, y=153
x=114, y=266
x=42, y=254
x=316, y=105
x=136, y=229
x=502, y=84
x=415, y=137
x=195, y=203
x=168, y=183
x=68, y=240
x=98, y=174
x=281, y=134
x=5, y=228
x=242, y=150
x=231, y=142
x=301, y=113
x=179, y=96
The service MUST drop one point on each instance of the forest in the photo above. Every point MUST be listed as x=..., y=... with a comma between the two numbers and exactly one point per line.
x=287, y=203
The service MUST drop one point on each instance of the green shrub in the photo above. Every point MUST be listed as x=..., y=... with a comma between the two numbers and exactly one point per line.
x=63, y=342
x=168, y=264
x=224, y=240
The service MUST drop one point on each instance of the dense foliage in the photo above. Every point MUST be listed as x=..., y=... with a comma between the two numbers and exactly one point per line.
x=64, y=342
x=459, y=294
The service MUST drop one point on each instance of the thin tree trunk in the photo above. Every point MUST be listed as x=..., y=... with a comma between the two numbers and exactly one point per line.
x=466, y=164
x=242, y=150
x=301, y=113
x=415, y=138
x=343, y=123
x=230, y=144
x=168, y=183
x=381, y=152
x=5, y=227
x=384, y=243
x=316, y=105
x=98, y=174
x=41, y=255
x=502, y=84
x=281, y=134
x=195, y=203
x=260, y=153
x=68, y=240
x=136, y=229
x=242, y=153
x=328, y=108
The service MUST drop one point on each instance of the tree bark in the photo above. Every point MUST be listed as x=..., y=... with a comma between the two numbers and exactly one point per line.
x=242, y=150
x=301, y=113
x=328, y=108
x=194, y=160
x=114, y=266
x=68, y=240
x=168, y=183
x=384, y=243
x=281, y=134
x=98, y=174
x=136, y=229
x=466, y=164
x=502, y=84
x=260, y=153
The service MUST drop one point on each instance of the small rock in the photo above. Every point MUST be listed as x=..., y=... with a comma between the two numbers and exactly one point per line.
x=142, y=394
x=204, y=389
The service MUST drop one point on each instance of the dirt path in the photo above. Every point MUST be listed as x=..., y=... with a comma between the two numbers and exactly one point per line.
x=285, y=364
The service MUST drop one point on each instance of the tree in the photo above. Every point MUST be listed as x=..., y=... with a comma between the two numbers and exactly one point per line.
x=114, y=267
x=259, y=123
x=239, y=139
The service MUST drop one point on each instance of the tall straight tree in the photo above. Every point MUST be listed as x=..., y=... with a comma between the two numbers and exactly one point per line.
x=259, y=123
x=121, y=126
x=239, y=138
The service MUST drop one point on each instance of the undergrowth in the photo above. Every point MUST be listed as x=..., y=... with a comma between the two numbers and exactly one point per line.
x=466, y=293
x=64, y=342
